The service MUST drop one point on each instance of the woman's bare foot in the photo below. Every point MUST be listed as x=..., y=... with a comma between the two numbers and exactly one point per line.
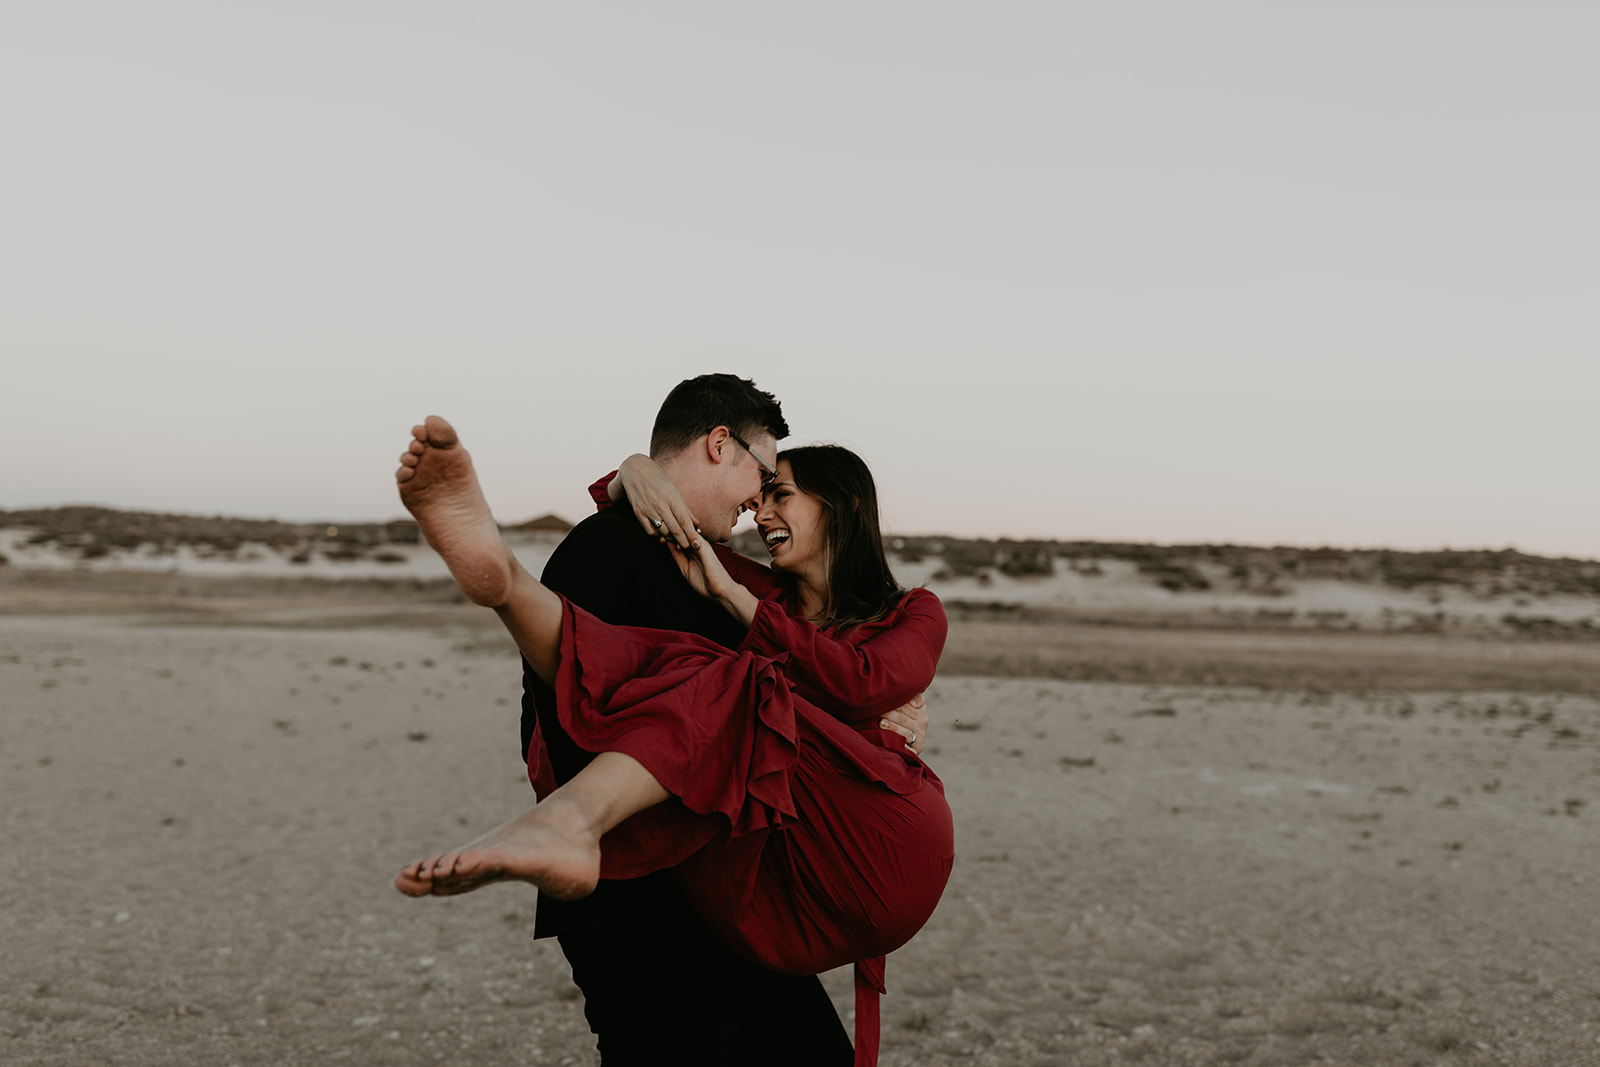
x=440, y=489
x=548, y=846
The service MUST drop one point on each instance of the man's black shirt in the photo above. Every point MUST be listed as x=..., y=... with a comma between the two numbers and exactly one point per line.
x=611, y=568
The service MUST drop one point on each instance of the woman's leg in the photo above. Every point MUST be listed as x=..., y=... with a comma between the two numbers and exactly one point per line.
x=557, y=844
x=440, y=488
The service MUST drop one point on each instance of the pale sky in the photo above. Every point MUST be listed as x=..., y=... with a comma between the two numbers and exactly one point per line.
x=1268, y=273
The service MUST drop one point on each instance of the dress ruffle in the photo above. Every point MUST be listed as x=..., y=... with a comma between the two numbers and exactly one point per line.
x=717, y=729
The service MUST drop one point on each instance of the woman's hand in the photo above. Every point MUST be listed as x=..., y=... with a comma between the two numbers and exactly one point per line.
x=910, y=721
x=656, y=502
x=704, y=572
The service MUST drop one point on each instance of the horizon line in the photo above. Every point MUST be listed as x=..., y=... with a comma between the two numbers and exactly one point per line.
x=888, y=533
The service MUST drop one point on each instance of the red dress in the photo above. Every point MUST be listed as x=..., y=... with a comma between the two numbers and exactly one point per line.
x=804, y=835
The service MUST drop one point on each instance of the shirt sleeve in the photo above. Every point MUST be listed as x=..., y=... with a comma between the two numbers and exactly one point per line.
x=593, y=569
x=856, y=679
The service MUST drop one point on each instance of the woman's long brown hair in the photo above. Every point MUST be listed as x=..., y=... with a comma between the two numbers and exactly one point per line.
x=861, y=587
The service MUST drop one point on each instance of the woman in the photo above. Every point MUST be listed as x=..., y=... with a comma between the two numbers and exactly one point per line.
x=804, y=841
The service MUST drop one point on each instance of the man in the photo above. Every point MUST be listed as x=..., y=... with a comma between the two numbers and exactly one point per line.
x=658, y=987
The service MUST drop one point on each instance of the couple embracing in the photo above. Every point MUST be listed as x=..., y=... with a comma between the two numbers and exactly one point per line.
x=725, y=754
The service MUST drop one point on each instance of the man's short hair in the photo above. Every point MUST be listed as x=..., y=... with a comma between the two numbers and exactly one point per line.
x=697, y=406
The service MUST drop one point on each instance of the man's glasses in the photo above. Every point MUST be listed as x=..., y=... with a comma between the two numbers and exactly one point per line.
x=768, y=475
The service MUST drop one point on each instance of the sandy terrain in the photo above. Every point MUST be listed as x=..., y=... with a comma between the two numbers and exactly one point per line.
x=206, y=795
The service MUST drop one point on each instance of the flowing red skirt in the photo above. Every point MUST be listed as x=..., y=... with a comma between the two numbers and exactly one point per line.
x=805, y=844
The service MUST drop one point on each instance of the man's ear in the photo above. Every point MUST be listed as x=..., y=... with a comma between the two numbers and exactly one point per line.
x=716, y=442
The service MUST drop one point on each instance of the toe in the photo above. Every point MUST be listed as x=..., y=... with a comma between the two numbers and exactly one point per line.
x=440, y=433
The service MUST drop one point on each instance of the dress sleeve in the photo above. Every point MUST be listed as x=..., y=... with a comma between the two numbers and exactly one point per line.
x=858, y=677
x=599, y=492
x=756, y=577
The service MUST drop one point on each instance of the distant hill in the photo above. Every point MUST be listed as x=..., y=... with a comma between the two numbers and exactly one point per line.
x=1251, y=569
x=93, y=532
x=1485, y=593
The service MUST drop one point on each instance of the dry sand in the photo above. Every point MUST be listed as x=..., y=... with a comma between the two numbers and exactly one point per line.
x=203, y=821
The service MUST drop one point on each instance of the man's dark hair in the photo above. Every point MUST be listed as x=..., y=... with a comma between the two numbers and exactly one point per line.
x=699, y=405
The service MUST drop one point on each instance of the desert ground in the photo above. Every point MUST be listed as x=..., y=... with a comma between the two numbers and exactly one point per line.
x=1184, y=837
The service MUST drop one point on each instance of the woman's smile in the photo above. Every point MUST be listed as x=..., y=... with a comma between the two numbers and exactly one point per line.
x=792, y=526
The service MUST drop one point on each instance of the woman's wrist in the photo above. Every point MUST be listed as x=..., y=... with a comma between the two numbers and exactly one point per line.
x=740, y=602
x=619, y=487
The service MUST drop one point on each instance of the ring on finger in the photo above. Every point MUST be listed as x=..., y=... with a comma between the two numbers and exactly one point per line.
x=656, y=523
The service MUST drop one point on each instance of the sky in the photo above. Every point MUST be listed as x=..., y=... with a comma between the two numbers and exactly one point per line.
x=1261, y=273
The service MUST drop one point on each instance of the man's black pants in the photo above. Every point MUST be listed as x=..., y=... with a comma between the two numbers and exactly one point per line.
x=659, y=989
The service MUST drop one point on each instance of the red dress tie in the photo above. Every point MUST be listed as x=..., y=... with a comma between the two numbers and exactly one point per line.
x=869, y=984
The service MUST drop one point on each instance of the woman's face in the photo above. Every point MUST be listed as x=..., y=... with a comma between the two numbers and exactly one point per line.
x=793, y=525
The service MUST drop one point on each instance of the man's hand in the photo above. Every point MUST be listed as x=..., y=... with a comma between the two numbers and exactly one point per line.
x=910, y=721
